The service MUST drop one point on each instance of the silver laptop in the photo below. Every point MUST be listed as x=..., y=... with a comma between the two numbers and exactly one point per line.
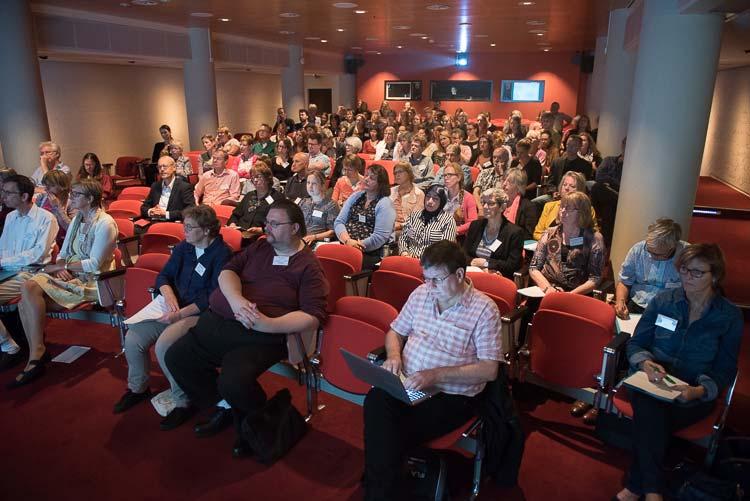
x=382, y=378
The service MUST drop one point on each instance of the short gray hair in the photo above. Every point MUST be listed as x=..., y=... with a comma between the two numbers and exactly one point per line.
x=355, y=143
x=51, y=144
x=518, y=177
x=664, y=232
x=498, y=195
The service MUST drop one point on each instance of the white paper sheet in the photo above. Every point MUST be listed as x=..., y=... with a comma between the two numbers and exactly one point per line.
x=530, y=245
x=152, y=311
x=163, y=403
x=629, y=324
x=71, y=354
x=661, y=390
x=532, y=291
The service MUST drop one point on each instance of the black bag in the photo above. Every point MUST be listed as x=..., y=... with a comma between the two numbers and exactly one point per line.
x=733, y=461
x=424, y=476
x=689, y=483
x=274, y=429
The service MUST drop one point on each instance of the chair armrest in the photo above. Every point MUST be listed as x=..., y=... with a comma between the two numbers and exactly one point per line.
x=359, y=275
x=604, y=288
x=510, y=331
x=110, y=287
x=377, y=356
x=617, y=343
x=521, y=278
x=611, y=360
x=106, y=275
x=126, y=240
x=514, y=314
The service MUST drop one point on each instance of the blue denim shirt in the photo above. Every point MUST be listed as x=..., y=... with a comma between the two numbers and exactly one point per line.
x=704, y=353
x=180, y=272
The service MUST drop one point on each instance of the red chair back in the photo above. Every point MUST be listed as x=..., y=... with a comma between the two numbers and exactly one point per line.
x=125, y=209
x=160, y=236
x=349, y=255
x=233, y=162
x=368, y=310
x=402, y=264
x=567, y=336
x=232, y=237
x=392, y=287
x=134, y=193
x=137, y=282
x=223, y=212
x=127, y=166
x=474, y=174
x=125, y=228
x=387, y=165
x=152, y=261
x=335, y=270
x=497, y=287
x=195, y=160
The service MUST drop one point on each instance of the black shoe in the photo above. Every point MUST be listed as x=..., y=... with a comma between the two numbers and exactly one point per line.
x=8, y=360
x=176, y=417
x=129, y=399
x=220, y=420
x=37, y=369
x=241, y=449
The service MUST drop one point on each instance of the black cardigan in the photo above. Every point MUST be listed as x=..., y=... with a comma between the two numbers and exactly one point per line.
x=507, y=258
x=527, y=217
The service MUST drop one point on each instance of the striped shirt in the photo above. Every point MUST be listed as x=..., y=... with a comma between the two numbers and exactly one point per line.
x=416, y=236
x=465, y=333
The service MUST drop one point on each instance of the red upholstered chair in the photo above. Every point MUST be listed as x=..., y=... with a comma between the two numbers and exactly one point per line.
x=134, y=193
x=474, y=174
x=341, y=265
x=565, y=343
x=387, y=165
x=233, y=162
x=125, y=209
x=195, y=163
x=705, y=432
x=127, y=172
x=127, y=241
x=402, y=264
x=232, y=237
x=161, y=237
x=393, y=287
x=223, y=212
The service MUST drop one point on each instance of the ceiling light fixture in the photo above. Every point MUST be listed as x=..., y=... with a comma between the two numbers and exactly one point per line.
x=289, y=15
x=417, y=34
x=526, y=4
x=540, y=34
x=437, y=6
x=359, y=11
x=493, y=44
x=356, y=48
x=424, y=38
x=339, y=29
x=224, y=19
x=399, y=46
x=345, y=5
x=323, y=40
x=533, y=22
x=546, y=49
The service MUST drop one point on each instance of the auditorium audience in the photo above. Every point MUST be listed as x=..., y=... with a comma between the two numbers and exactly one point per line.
x=492, y=176
x=250, y=215
x=457, y=137
x=461, y=203
x=493, y=242
x=589, y=151
x=570, y=161
x=184, y=284
x=282, y=162
x=472, y=141
x=547, y=152
x=263, y=144
x=406, y=197
x=209, y=144
x=605, y=192
x=571, y=181
x=49, y=159
x=218, y=184
x=386, y=148
x=427, y=226
x=484, y=153
x=698, y=343
x=439, y=154
x=520, y=211
x=274, y=288
x=296, y=186
x=166, y=139
x=581, y=124
x=421, y=164
x=183, y=167
x=456, y=362
x=371, y=144
x=56, y=199
x=319, y=210
x=367, y=218
x=353, y=168
x=168, y=196
x=317, y=160
x=92, y=168
x=88, y=249
x=247, y=157
x=226, y=142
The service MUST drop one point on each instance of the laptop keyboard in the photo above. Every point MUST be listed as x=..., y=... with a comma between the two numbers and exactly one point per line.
x=415, y=395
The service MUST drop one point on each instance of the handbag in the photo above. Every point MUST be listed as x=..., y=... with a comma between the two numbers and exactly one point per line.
x=424, y=476
x=274, y=429
x=690, y=483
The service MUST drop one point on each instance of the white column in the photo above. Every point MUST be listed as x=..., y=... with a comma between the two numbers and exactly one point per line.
x=23, y=115
x=596, y=87
x=347, y=91
x=293, y=82
x=617, y=87
x=200, y=87
x=672, y=93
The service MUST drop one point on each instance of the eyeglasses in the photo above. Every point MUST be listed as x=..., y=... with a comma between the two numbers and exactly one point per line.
x=490, y=203
x=449, y=174
x=435, y=280
x=75, y=194
x=274, y=224
x=190, y=227
x=661, y=256
x=3, y=192
x=684, y=270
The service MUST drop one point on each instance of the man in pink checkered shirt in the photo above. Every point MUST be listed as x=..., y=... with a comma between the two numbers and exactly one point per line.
x=454, y=346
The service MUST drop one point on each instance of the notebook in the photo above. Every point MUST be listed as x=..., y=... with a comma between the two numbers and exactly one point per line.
x=382, y=378
x=661, y=390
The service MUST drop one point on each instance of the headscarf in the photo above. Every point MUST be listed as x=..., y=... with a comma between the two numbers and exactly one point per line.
x=442, y=194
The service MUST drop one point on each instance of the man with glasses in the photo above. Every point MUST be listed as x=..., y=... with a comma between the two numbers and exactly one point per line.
x=649, y=268
x=317, y=160
x=421, y=165
x=49, y=159
x=27, y=239
x=454, y=347
x=273, y=288
x=169, y=196
x=219, y=184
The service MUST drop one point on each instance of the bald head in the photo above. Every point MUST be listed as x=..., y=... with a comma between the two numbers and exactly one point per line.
x=300, y=162
x=167, y=168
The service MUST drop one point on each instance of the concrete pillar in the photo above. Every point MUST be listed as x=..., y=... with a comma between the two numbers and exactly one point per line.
x=596, y=87
x=347, y=91
x=672, y=93
x=23, y=115
x=293, y=82
x=617, y=87
x=200, y=87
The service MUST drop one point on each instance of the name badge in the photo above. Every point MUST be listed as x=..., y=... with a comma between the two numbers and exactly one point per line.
x=269, y=199
x=280, y=260
x=495, y=245
x=487, y=164
x=200, y=269
x=575, y=241
x=666, y=322
x=362, y=218
x=298, y=200
x=285, y=164
x=317, y=213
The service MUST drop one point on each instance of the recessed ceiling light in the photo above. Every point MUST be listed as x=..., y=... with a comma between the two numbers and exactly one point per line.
x=437, y=6
x=546, y=49
x=424, y=38
x=339, y=29
x=144, y=3
x=201, y=14
x=533, y=22
x=493, y=44
x=378, y=53
x=401, y=27
x=526, y=4
x=399, y=46
x=224, y=19
x=323, y=40
x=312, y=38
x=540, y=34
x=345, y=5
x=359, y=11
x=289, y=14
x=285, y=32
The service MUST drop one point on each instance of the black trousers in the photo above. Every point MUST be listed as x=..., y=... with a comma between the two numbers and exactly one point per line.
x=654, y=421
x=392, y=428
x=242, y=354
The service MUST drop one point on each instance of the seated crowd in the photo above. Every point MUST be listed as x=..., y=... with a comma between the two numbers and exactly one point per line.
x=449, y=191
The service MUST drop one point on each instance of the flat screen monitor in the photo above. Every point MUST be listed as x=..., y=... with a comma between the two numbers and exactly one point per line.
x=397, y=90
x=522, y=91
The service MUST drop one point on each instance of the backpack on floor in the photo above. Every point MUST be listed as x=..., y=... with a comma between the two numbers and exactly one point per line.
x=274, y=429
x=424, y=476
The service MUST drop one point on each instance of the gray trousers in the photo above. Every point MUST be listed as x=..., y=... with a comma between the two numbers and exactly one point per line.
x=138, y=341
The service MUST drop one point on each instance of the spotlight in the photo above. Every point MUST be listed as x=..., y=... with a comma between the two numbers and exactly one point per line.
x=462, y=59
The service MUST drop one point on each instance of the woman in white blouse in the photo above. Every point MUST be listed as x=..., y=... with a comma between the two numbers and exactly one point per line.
x=406, y=197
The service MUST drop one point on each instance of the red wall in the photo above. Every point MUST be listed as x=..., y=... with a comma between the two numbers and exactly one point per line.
x=560, y=75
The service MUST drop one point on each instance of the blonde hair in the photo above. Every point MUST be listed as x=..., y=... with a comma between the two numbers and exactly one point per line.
x=582, y=202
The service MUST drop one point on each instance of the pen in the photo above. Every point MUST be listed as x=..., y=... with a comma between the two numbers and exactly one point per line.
x=668, y=379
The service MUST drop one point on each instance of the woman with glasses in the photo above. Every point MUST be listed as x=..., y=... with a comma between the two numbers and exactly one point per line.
x=187, y=280
x=56, y=199
x=461, y=204
x=570, y=182
x=693, y=333
x=521, y=211
x=493, y=243
x=88, y=249
x=407, y=198
x=367, y=218
x=92, y=168
x=353, y=168
x=319, y=210
x=427, y=226
x=250, y=215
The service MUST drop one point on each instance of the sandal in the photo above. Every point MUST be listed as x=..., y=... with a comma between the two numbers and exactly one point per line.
x=36, y=370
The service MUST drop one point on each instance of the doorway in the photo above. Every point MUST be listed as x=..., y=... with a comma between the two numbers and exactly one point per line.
x=321, y=97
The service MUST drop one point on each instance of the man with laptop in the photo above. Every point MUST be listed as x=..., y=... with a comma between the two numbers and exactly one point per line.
x=453, y=350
